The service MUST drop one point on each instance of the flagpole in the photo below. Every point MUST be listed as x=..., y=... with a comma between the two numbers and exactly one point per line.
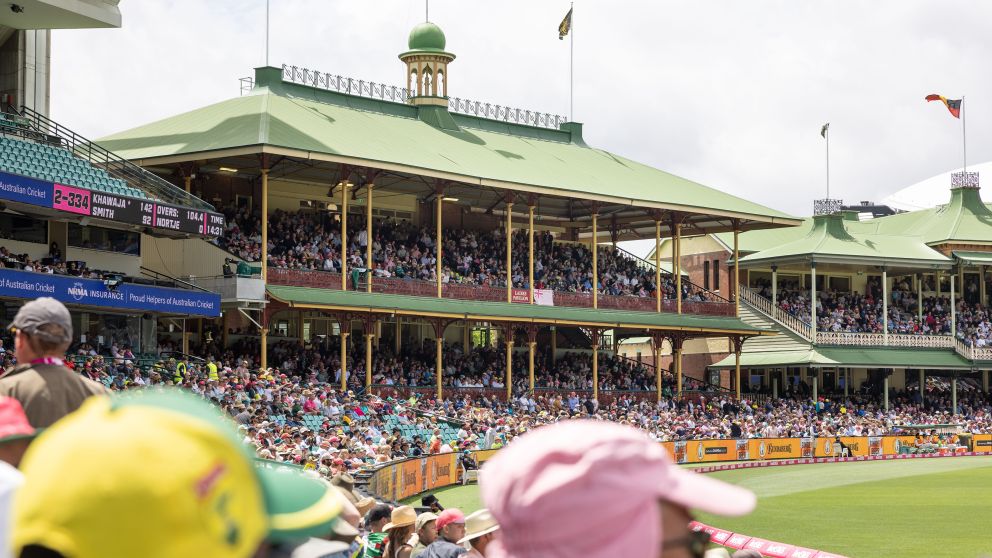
x=571, y=63
x=827, y=136
x=964, y=136
x=266, y=32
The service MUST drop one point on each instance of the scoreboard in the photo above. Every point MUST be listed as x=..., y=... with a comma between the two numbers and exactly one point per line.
x=112, y=207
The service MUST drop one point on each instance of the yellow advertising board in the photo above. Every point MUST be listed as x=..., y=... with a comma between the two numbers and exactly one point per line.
x=441, y=471
x=709, y=451
x=775, y=448
x=982, y=443
x=892, y=445
x=410, y=481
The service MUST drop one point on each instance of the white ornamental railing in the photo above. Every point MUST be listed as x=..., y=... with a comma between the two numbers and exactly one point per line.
x=764, y=306
x=972, y=353
x=879, y=340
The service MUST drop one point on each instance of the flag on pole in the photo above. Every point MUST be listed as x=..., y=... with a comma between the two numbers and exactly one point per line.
x=823, y=130
x=953, y=105
x=565, y=26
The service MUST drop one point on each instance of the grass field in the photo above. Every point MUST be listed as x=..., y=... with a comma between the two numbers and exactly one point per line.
x=907, y=509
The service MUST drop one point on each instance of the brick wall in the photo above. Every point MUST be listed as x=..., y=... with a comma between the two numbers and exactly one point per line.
x=693, y=265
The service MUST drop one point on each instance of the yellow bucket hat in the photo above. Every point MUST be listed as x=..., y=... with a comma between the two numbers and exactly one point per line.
x=158, y=474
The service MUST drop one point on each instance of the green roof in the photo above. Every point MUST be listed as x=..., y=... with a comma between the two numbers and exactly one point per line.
x=325, y=125
x=876, y=357
x=358, y=302
x=973, y=258
x=772, y=359
x=964, y=219
x=831, y=239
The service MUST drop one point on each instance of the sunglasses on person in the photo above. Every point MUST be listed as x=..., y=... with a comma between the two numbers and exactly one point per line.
x=696, y=543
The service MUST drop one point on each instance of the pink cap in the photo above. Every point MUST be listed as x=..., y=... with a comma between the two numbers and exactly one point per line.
x=449, y=516
x=589, y=488
x=13, y=422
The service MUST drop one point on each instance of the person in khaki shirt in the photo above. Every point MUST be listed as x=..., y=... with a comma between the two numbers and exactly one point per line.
x=45, y=387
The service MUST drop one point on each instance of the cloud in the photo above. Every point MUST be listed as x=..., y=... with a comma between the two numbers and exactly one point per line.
x=731, y=94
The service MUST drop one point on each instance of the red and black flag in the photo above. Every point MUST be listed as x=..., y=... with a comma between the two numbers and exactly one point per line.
x=953, y=105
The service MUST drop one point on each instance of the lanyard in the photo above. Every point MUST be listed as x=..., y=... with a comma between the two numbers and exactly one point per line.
x=49, y=360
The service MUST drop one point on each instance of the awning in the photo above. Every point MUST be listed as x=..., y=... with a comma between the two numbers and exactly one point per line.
x=773, y=359
x=973, y=258
x=360, y=302
x=852, y=357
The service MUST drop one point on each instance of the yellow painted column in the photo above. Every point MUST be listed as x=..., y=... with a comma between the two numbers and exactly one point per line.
x=187, y=179
x=737, y=275
x=595, y=371
x=677, y=266
x=530, y=253
x=344, y=357
x=678, y=369
x=657, y=269
x=345, y=186
x=737, y=371
x=437, y=242
x=595, y=264
x=438, y=365
x=530, y=362
x=509, y=251
x=509, y=364
x=368, y=361
x=263, y=358
x=368, y=239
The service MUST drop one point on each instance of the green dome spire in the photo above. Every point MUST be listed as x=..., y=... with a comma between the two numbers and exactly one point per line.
x=427, y=36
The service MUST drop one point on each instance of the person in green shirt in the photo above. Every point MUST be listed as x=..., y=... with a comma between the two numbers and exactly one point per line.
x=375, y=542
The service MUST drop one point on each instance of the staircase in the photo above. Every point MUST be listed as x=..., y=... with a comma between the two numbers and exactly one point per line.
x=777, y=319
x=786, y=340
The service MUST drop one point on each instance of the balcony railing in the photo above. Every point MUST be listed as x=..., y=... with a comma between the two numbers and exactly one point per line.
x=877, y=339
x=392, y=93
x=456, y=291
x=972, y=353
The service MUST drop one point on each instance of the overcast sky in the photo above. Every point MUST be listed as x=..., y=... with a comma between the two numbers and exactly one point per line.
x=729, y=93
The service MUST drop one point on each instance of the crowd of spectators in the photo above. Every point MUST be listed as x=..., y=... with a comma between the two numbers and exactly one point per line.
x=850, y=312
x=54, y=263
x=305, y=240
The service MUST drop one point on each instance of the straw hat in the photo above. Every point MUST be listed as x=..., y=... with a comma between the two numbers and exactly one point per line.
x=477, y=524
x=401, y=517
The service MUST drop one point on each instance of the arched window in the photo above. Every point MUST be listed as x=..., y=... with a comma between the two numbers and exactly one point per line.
x=442, y=85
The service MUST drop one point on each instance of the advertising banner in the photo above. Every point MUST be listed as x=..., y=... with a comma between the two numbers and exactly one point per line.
x=892, y=445
x=856, y=446
x=93, y=292
x=982, y=443
x=411, y=478
x=25, y=190
x=775, y=448
x=743, y=454
x=441, y=471
x=705, y=451
x=543, y=297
